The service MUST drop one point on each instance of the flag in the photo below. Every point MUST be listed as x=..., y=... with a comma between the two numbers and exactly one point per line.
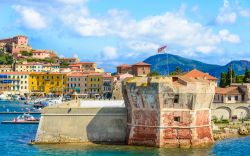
x=161, y=49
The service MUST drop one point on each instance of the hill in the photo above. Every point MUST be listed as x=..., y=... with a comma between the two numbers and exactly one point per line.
x=163, y=62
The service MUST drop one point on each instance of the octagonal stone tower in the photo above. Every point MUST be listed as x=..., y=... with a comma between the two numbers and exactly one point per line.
x=169, y=112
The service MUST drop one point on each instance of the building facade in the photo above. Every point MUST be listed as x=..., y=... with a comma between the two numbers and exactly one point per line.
x=47, y=82
x=167, y=112
x=29, y=67
x=14, y=82
x=69, y=60
x=16, y=44
x=77, y=82
x=6, y=68
x=141, y=69
x=138, y=69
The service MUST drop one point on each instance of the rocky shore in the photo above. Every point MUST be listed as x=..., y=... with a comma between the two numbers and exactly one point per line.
x=230, y=130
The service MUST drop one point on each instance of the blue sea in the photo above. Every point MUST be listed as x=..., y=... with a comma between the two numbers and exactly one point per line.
x=14, y=141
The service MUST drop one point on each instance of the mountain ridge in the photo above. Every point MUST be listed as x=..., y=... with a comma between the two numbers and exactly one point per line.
x=162, y=62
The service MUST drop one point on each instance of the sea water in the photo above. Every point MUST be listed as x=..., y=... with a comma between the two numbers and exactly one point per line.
x=14, y=139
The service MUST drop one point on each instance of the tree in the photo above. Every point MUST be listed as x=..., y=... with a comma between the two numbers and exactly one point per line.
x=239, y=78
x=177, y=71
x=223, y=82
x=64, y=64
x=154, y=73
x=26, y=53
x=6, y=59
x=246, y=78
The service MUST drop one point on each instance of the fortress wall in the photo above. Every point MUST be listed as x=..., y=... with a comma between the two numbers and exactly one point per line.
x=62, y=125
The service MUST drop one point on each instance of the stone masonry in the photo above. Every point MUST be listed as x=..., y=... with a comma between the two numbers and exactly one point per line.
x=167, y=112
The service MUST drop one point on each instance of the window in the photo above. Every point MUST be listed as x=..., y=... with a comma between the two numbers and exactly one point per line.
x=236, y=98
x=176, y=98
x=229, y=98
x=177, y=119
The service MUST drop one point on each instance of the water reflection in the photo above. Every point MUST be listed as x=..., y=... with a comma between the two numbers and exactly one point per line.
x=114, y=150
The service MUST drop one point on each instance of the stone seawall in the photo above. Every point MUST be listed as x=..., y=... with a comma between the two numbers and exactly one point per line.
x=64, y=125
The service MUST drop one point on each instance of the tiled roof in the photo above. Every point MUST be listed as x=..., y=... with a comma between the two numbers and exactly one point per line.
x=124, y=65
x=199, y=74
x=77, y=74
x=229, y=90
x=15, y=73
x=141, y=64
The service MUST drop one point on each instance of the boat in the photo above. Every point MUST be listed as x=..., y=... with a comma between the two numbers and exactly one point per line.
x=3, y=97
x=23, y=119
x=40, y=104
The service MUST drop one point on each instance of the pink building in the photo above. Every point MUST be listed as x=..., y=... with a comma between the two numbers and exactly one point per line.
x=77, y=82
x=19, y=40
x=41, y=54
x=16, y=44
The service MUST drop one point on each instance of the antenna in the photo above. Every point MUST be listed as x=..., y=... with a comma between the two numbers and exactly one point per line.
x=231, y=78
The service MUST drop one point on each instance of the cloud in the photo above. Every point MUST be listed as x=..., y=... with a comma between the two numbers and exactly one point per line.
x=147, y=34
x=226, y=14
x=109, y=53
x=226, y=36
x=30, y=17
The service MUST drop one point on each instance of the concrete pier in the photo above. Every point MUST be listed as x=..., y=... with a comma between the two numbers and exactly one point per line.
x=75, y=122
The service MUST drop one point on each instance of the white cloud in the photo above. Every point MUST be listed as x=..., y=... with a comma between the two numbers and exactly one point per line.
x=142, y=46
x=148, y=33
x=30, y=17
x=226, y=36
x=109, y=53
x=226, y=14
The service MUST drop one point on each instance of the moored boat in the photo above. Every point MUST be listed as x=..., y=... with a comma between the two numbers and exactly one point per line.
x=23, y=119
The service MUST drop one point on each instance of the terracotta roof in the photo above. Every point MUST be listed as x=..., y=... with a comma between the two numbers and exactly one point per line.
x=229, y=90
x=141, y=64
x=31, y=63
x=50, y=64
x=77, y=74
x=15, y=73
x=42, y=73
x=85, y=63
x=124, y=65
x=199, y=74
x=68, y=58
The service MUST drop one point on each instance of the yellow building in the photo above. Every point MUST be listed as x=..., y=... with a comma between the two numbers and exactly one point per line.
x=94, y=84
x=99, y=85
x=47, y=82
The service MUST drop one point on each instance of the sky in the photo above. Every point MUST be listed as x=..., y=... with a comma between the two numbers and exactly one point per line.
x=113, y=32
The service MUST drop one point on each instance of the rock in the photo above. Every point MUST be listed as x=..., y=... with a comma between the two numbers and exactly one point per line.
x=243, y=130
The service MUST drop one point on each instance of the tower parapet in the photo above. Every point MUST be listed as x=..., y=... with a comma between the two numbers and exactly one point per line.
x=169, y=112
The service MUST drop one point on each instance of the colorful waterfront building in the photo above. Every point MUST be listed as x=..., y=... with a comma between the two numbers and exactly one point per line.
x=14, y=82
x=42, y=54
x=77, y=82
x=29, y=67
x=6, y=68
x=51, y=67
x=47, y=82
x=99, y=85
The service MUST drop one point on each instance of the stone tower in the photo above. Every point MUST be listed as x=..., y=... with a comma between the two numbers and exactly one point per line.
x=169, y=112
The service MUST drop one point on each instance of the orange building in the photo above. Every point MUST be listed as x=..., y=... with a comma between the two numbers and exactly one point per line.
x=141, y=69
x=124, y=68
